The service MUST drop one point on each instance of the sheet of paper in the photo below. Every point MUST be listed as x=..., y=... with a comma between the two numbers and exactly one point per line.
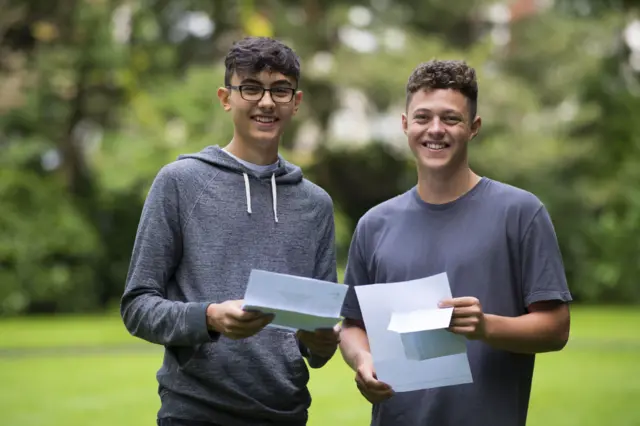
x=419, y=320
x=298, y=303
x=422, y=345
x=423, y=333
x=411, y=300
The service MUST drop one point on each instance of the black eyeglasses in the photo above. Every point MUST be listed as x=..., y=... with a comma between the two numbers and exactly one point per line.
x=253, y=93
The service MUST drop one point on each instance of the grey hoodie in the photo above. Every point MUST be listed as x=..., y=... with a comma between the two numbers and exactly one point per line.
x=206, y=223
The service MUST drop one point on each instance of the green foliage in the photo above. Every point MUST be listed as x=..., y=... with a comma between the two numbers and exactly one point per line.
x=47, y=248
x=87, y=119
x=180, y=115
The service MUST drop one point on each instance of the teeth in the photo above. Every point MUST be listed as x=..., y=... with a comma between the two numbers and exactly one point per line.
x=435, y=145
x=265, y=119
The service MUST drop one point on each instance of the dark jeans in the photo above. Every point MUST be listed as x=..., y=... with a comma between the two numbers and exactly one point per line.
x=180, y=422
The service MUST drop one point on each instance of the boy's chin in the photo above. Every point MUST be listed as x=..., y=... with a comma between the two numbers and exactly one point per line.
x=262, y=138
x=434, y=164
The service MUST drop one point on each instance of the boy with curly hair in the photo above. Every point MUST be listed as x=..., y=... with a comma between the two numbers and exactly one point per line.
x=497, y=245
x=209, y=219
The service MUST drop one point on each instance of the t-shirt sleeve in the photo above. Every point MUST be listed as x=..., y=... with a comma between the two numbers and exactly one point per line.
x=355, y=274
x=543, y=274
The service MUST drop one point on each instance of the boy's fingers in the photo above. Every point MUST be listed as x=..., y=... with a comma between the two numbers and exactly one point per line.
x=250, y=315
x=465, y=312
x=303, y=334
x=326, y=333
x=458, y=302
x=251, y=324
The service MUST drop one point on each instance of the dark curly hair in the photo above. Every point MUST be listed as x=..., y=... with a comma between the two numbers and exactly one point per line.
x=252, y=55
x=436, y=74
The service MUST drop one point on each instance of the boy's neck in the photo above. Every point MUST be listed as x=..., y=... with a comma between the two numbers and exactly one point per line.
x=442, y=187
x=261, y=154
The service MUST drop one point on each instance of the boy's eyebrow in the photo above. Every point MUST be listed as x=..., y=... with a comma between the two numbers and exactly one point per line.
x=281, y=82
x=426, y=110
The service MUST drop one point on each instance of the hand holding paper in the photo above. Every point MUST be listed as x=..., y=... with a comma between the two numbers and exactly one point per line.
x=467, y=318
x=408, y=334
x=322, y=343
x=230, y=320
x=368, y=384
x=424, y=333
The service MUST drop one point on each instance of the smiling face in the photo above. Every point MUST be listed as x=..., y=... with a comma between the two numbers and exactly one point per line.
x=260, y=118
x=438, y=126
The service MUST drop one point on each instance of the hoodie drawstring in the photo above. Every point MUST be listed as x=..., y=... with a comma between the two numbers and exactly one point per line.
x=275, y=196
x=248, y=192
x=274, y=193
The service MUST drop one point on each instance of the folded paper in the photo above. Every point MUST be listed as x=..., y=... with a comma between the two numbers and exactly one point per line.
x=410, y=344
x=298, y=303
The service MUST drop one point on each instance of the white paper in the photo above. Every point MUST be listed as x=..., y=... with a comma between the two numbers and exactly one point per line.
x=410, y=345
x=422, y=345
x=421, y=319
x=298, y=303
x=423, y=333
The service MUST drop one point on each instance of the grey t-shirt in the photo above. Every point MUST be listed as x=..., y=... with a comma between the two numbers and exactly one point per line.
x=260, y=170
x=495, y=243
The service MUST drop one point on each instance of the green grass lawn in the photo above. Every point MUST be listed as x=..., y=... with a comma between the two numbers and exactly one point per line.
x=594, y=381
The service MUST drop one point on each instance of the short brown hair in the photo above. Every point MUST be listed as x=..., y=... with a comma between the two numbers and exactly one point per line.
x=456, y=75
x=252, y=55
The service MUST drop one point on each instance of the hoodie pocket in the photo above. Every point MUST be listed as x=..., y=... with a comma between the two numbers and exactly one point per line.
x=264, y=371
x=185, y=355
x=271, y=355
x=290, y=349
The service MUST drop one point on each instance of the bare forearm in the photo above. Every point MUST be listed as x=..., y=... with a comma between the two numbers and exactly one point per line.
x=536, y=332
x=354, y=344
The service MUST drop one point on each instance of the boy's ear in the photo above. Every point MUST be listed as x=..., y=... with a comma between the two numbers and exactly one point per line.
x=475, y=126
x=223, y=96
x=297, y=100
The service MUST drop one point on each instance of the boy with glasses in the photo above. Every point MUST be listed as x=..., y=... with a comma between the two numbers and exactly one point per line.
x=209, y=219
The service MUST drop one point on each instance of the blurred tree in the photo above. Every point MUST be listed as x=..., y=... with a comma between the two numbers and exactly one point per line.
x=98, y=95
x=588, y=182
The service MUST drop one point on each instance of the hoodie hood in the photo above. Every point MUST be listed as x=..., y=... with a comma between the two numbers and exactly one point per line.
x=285, y=174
